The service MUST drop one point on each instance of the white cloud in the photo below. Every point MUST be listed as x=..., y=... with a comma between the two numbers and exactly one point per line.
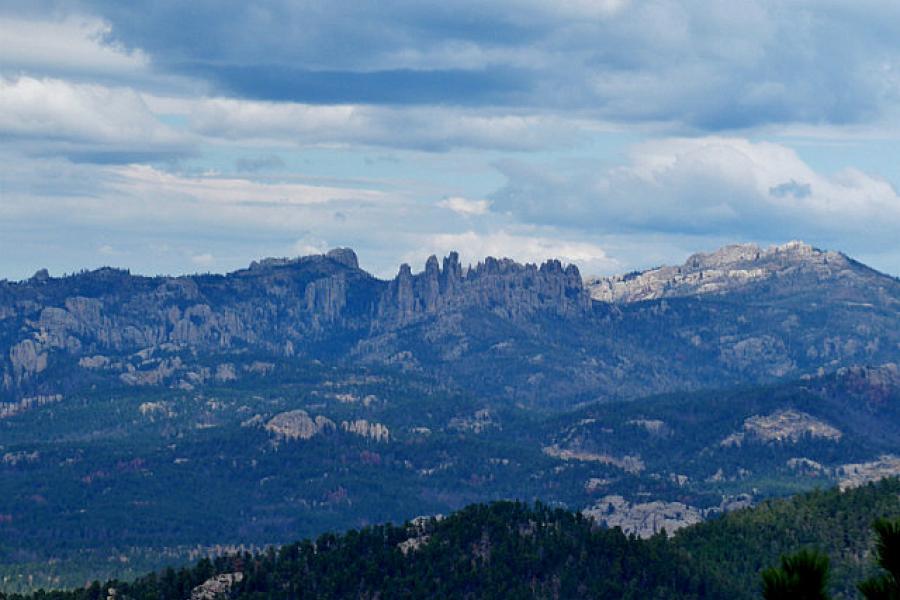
x=306, y=247
x=464, y=206
x=710, y=185
x=427, y=128
x=73, y=45
x=59, y=116
x=214, y=191
x=204, y=260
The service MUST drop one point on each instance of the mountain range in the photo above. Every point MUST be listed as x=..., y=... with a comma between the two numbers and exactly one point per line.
x=146, y=420
x=532, y=334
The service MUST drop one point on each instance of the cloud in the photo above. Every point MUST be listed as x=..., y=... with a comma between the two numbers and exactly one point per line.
x=216, y=191
x=117, y=120
x=308, y=245
x=82, y=120
x=156, y=221
x=713, y=185
x=204, y=260
x=422, y=128
x=119, y=124
x=464, y=206
x=53, y=211
x=145, y=198
x=690, y=65
x=74, y=46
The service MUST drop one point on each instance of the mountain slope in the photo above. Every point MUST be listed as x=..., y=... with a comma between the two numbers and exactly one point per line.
x=151, y=418
x=741, y=544
x=511, y=550
x=113, y=484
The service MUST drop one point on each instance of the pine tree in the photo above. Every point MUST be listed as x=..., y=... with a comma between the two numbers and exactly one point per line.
x=801, y=576
x=885, y=586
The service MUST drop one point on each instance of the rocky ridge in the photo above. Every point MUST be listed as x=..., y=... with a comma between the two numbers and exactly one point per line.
x=726, y=270
x=110, y=320
x=530, y=333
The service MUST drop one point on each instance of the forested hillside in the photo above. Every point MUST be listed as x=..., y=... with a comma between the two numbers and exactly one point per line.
x=513, y=550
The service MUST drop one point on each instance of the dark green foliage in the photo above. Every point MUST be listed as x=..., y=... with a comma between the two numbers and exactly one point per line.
x=886, y=585
x=503, y=550
x=513, y=550
x=801, y=576
x=113, y=492
x=740, y=545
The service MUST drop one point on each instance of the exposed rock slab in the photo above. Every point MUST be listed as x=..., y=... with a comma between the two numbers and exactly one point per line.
x=725, y=270
x=783, y=426
x=644, y=519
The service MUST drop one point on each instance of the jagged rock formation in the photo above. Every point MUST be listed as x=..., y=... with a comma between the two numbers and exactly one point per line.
x=279, y=306
x=11, y=409
x=726, y=270
x=528, y=333
x=363, y=428
x=505, y=287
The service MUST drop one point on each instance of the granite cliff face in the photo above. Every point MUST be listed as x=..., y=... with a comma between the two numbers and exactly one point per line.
x=729, y=269
x=504, y=287
x=523, y=332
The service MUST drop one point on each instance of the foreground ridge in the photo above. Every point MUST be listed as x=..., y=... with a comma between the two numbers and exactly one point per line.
x=511, y=549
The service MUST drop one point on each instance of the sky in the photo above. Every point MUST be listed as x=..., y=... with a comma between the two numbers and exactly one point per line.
x=172, y=137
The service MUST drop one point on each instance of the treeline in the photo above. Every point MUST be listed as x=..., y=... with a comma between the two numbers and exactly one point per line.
x=502, y=550
x=515, y=550
x=740, y=545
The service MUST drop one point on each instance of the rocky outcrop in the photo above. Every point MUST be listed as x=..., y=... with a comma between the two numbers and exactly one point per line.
x=783, y=426
x=366, y=429
x=505, y=287
x=225, y=372
x=725, y=270
x=644, y=519
x=482, y=420
x=27, y=358
x=629, y=464
x=326, y=299
x=298, y=425
x=344, y=256
x=277, y=306
x=153, y=410
x=855, y=475
x=216, y=587
x=11, y=409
